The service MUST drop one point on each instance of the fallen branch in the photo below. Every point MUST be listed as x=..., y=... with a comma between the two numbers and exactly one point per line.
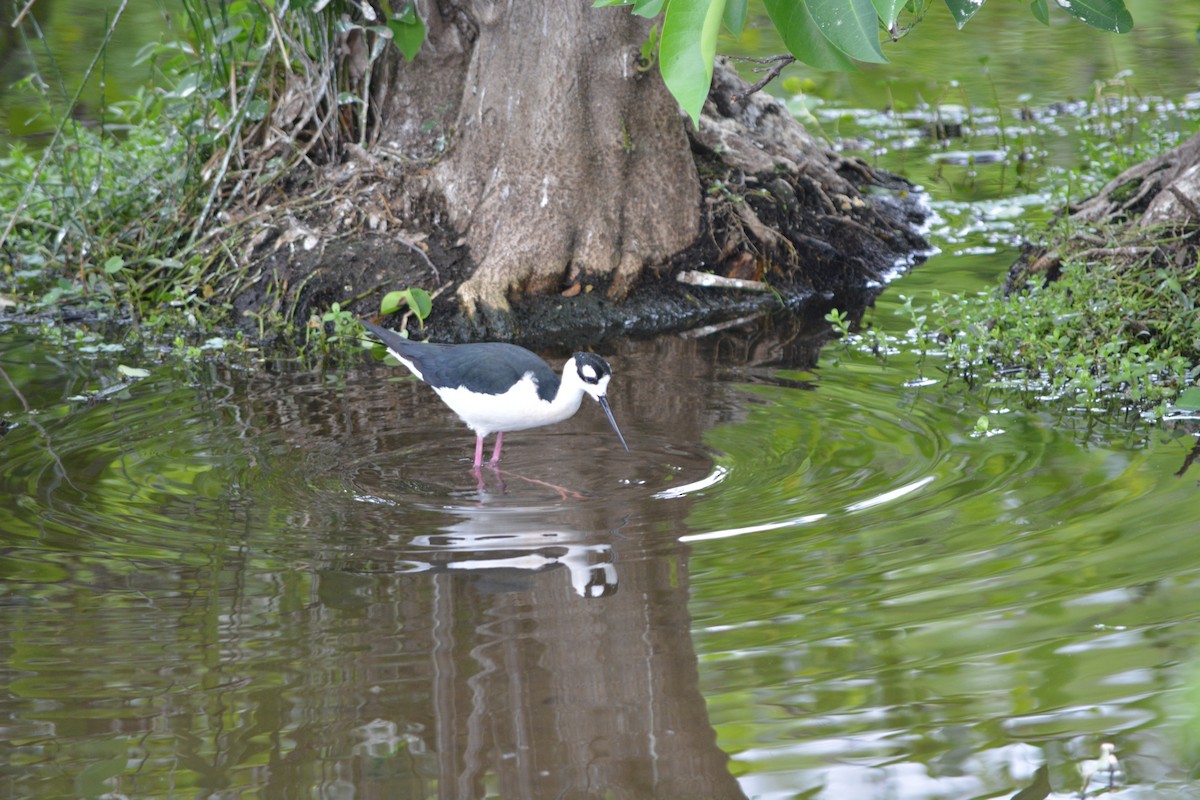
x=710, y=281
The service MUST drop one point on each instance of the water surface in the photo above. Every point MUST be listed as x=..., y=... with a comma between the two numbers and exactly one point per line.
x=268, y=581
x=812, y=576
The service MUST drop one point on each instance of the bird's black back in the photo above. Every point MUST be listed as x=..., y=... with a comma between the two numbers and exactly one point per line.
x=484, y=367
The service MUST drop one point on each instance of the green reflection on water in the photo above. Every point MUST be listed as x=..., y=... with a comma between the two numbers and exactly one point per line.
x=1030, y=587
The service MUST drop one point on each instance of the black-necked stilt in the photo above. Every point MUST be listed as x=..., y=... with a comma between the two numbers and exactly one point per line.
x=497, y=388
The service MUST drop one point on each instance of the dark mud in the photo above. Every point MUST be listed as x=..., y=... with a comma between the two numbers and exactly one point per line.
x=823, y=259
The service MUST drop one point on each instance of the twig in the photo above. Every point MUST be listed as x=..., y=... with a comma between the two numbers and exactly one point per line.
x=1189, y=459
x=708, y=330
x=777, y=62
x=407, y=243
x=24, y=11
x=1103, y=253
x=219, y=178
x=416, y=249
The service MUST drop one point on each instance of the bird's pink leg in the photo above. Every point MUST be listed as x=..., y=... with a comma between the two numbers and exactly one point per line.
x=496, y=450
x=478, y=453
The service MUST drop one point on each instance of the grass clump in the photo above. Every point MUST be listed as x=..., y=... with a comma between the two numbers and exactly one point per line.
x=1103, y=337
x=151, y=209
x=1117, y=336
x=97, y=219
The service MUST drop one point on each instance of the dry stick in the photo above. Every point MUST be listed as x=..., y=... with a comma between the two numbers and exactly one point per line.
x=416, y=249
x=1189, y=459
x=778, y=62
x=24, y=11
x=220, y=176
x=62, y=123
x=411, y=245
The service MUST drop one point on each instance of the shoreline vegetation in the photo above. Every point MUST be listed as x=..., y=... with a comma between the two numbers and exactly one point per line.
x=144, y=222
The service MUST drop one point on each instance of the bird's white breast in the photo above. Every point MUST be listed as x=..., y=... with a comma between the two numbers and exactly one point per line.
x=517, y=409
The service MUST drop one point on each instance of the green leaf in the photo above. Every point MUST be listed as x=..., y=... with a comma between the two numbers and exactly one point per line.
x=687, y=48
x=852, y=26
x=169, y=263
x=383, y=35
x=114, y=265
x=133, y=372
x=648, y=8
x=392, y=301
x=643, y=8
x=420, y=302
x=257, y=109
x=1107, y=15
x=649, y=47
x=963, y=10
x=1040, y=11
x=230, y=34
x=408, y=31
x=735, y=16
x=186, y=87
x=417, y=299
x=1189, y=399
x=889, y=10
x=803, y=38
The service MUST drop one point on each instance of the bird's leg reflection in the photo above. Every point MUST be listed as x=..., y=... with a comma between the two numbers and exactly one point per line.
x=481, y=484
x=564, y=492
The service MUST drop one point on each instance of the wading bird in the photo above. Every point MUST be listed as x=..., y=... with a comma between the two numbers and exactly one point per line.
x=498, y=388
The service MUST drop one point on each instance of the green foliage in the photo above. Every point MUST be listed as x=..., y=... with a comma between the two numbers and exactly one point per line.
x=687, y=48
x=408, y=31
x=828, y=34
x=418, y=300
x=1107, y=15
x=325, y=330
x=93, y=214
x=852, y=26
x=888, y=11
x=801, y=34
x=129, y=212
x=963, y=10
x=840, y=321
x=1103, y=338
x=1189, y=399
x=1040, y=11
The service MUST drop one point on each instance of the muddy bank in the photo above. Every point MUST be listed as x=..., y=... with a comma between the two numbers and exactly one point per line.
x=819, y=256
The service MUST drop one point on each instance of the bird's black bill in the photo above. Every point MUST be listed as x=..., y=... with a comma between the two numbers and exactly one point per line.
x=612, y=421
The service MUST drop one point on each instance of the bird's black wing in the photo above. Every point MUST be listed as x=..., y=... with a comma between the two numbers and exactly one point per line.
x=485, y=368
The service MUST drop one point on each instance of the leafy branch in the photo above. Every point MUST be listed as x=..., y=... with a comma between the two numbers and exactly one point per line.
x=827, y=34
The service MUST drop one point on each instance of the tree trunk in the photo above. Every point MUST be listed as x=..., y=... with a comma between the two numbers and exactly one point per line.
x=569, y=162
